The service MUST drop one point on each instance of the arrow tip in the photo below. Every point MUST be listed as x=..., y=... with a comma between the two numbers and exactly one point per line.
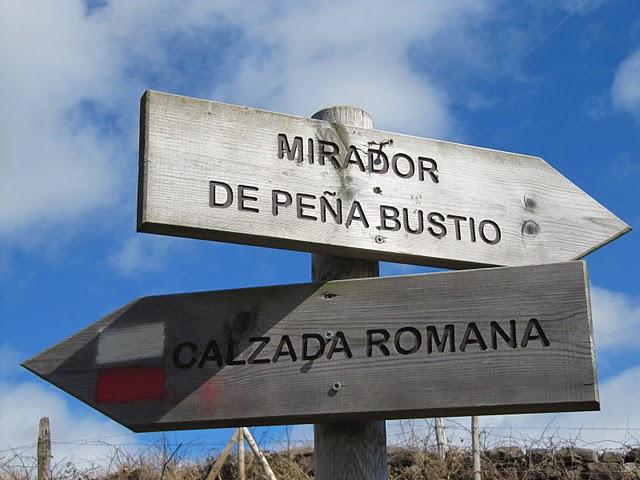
x=616, y=229
x=33, y=365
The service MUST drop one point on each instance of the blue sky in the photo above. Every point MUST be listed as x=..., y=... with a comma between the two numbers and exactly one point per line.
x=556, y=79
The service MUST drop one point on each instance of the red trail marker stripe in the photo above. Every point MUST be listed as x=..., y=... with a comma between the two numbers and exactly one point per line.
x=130, y=384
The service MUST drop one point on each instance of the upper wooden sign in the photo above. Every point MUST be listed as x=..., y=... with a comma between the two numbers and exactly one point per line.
x=223, y=172
x=504, y=340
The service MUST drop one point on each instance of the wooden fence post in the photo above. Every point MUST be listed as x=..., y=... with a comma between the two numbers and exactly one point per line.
x=256, y=451
x=217, y=466
x=44, y=449
x=441, y=439
x=241, y=474
x=475, y=447
x=349, y=450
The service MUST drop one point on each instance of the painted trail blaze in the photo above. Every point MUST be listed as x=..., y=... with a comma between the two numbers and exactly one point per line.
x=130, y=384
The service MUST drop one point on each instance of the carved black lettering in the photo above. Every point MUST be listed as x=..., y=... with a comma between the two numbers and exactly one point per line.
x=497, y=235
x=416, y=342
x=230, y=353
x=378, y=342
x=211, y=352
x=448, y=335
x=328, y=151
x=467, y=339
x=528, y=333
x=310, y=151
x=378, y=161
x=213, y=200
x=472, y=229
x=419, y=221
x=436, y=220
x=339, y=344
x=356, y=213
x=176, y=355
x=300, y=205
x=429, y=165
x=407, y=160
x=353, y=157
x=335, y=213
x=279, y=198
x=285, y=341
x=284, y=148
x=305, y=346
x=389, y=213
x=243, y=197
x=510, y=338
x=456, y=224
x=264, y=341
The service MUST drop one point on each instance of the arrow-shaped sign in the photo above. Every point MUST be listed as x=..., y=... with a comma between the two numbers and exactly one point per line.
x=504, y=340
x=222, y=172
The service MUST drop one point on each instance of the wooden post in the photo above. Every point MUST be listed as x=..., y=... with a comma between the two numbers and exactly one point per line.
x=349, y=450
x=217, y=466
x=241, y=474
x=475, y=447
x=44, y=449
x=440, y=438
x=256, y=451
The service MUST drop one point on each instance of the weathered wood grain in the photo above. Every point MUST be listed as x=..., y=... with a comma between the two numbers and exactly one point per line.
x=44, y=450
x=154, y=394
x=468, y=195
x=353, y=450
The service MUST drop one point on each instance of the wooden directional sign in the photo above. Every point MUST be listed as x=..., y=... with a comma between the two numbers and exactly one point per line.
x=504, y=340
x=222, y=172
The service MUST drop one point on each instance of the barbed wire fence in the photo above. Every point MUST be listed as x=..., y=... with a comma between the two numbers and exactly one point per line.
x=112, y=451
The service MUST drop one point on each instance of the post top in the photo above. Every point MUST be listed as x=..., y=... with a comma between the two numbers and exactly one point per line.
x=346, y=115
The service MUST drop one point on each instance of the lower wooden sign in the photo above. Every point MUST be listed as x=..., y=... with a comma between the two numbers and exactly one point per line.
x=490, y=341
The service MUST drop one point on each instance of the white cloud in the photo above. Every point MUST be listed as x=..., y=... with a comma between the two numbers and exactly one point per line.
x=302, y=58
x=72, y=79
x=70, y=87
x=613, y=314
x=626, y=84
x=54, y=163
x=140, y=254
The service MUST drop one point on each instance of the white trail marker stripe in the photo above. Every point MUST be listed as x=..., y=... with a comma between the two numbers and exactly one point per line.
x=131, y=343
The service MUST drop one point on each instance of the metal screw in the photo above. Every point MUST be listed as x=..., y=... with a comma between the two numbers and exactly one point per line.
x=328, y=335
x=379, y=239
x=336, y=386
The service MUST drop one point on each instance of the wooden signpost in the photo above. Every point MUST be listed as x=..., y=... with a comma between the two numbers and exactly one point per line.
x=515, y=339
x=222, y=172
x=504, y=340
